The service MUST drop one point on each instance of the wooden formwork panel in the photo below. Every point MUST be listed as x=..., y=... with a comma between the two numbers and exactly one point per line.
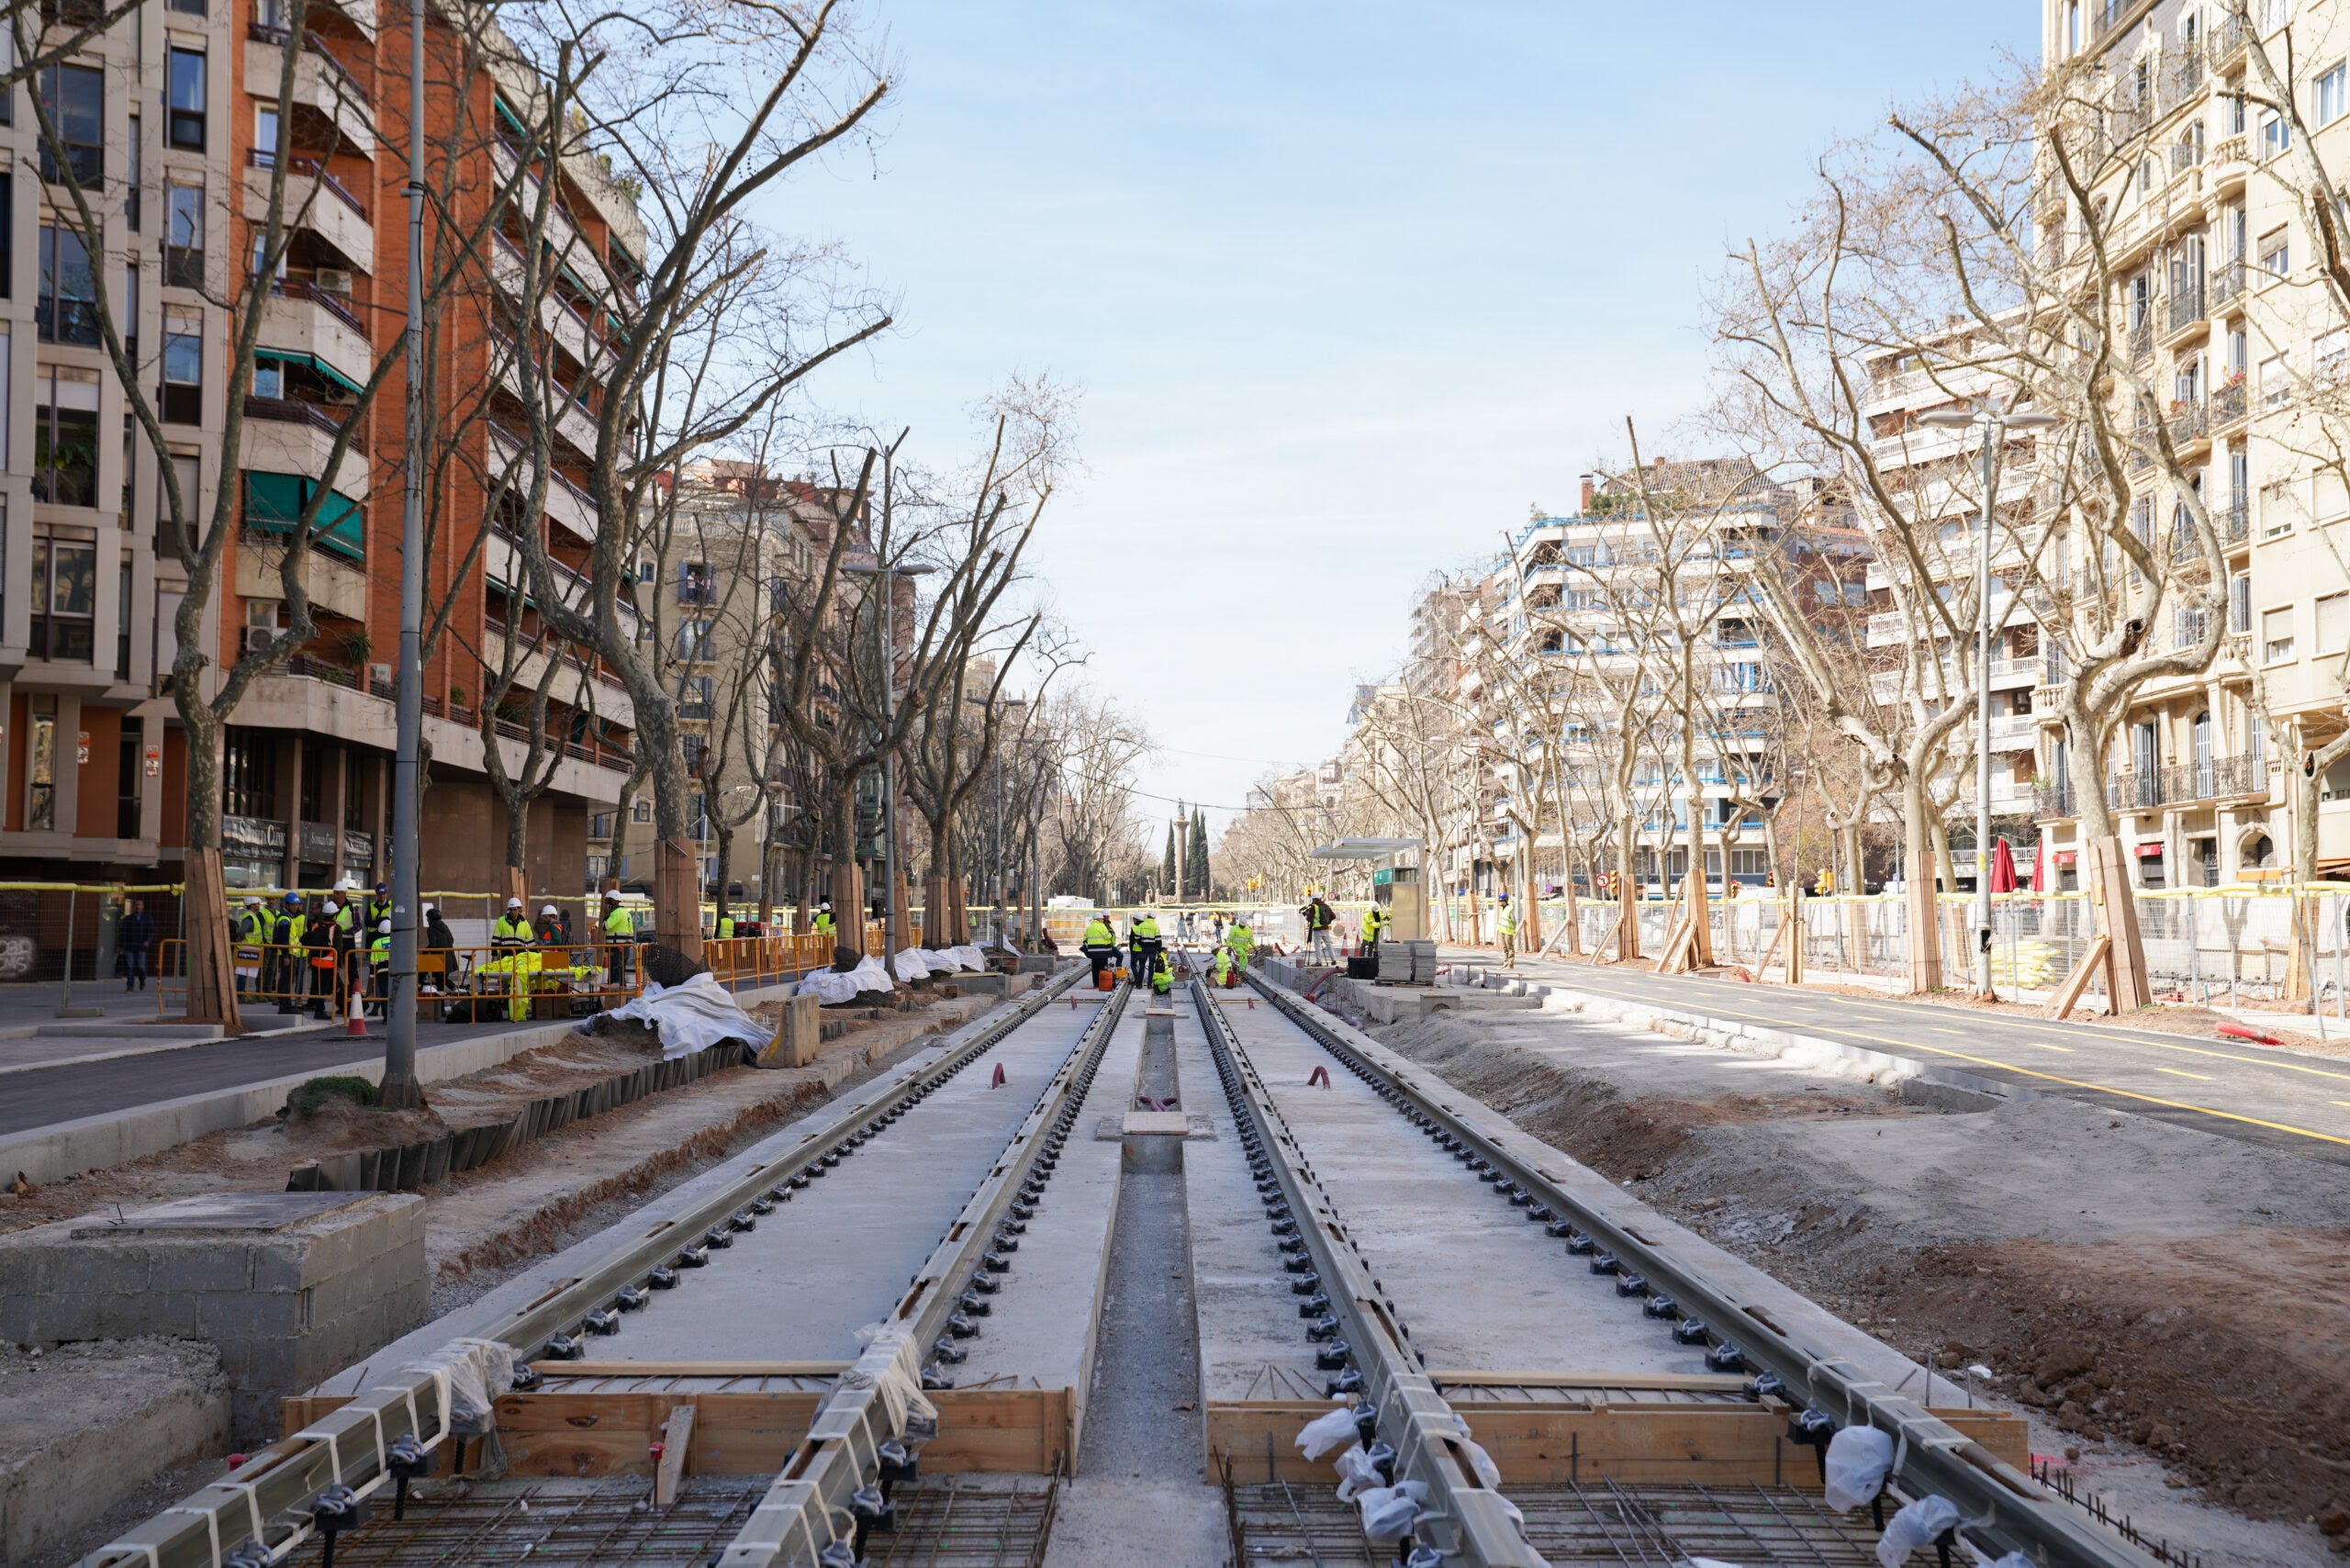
x=1544, y=1444
x=1021, y=1431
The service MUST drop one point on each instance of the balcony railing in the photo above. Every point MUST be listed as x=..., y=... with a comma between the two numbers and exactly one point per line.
x=2189, y=422
x=2237, y=527
x=2186, y=783
x=262, y=32
x=261, y=158
x=2142, y=340
x=2227, y=282
x=2053, y=800
x=2186, y=303
x=2185, y=154
x=2229, y=405
x=292, y=410
x=334, y=305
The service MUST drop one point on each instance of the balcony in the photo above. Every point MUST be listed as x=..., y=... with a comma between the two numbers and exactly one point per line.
x=2228, y=406
x=2228, y=281
x=2190, y=783
x=314, y=201
x=2190, y=429
x=286, y=435
x=571, y=329
x=2142, y=340
x=2052, y=800
x=2006, y=673
x=2185, y=313
x=2235, y=524
x=300, y=318
x=567, y=506
x=324, y=90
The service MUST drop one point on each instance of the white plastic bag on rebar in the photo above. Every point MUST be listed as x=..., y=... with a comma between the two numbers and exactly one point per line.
x=1489, y=1475
x=915, y=964
x=1326, y=1432
x=1857, y=1458
x=1915, y=1526
x=479, y=1371
x=692, y=1016
x=1388, y=1511
x=1356, y=1475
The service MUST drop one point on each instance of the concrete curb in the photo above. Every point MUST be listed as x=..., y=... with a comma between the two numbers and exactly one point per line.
x=45, y=1154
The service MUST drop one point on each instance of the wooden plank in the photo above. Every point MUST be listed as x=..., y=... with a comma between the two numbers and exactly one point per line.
x=1691, y=1383
x=689, y=1369
x=676, y=1437
x=2069, y=995
x=1555, y=1444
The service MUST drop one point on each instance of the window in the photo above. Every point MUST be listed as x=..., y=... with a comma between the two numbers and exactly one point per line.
x=184, y=235
x=2231, y=114
x=187, y=8
x=694, y=702
x=65, y=310
x=41, y=774
x=641, y=812
x=76, y=97
x=600, y=824
x=264, y=144
x=183, y=367
x=695, y=640
x=126, y=776
x=186, y=85
x=2073, y=27
x=647, y=571
x=2332, y=624
x=7, y=223
x=122, y=630
x=695, y=583
x=65, y=436
x=187, y=469
x=2275, y=386
x=2275, y=135
x=2327, y=351
x=65, y=599
x=134, y=176
x=2239, y=604
x=2334, y=93
x=2276, y=636
x=2276, y=252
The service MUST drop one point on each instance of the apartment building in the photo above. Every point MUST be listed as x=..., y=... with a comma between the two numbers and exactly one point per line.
x=730, y=570
x=172, y=126
x=1561, y=598
x=2224, y=311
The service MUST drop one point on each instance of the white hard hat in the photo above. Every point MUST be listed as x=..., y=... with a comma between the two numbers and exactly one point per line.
x=385, y=925
x=549, y=910
x=513, y=904
x=348, y=885
x=329, y=905
x=252, y=903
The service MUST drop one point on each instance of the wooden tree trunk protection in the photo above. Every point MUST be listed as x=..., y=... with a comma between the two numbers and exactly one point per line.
x=211, y=981
x=935, y=928
x=1628, y=920
x=517, y=886
x=2118, y=917
x=1791, y=927
x=677, y=898
x=1925, y=934
x=1701, y=918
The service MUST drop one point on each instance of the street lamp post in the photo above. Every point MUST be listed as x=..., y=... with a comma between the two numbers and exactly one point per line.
x=894, y=937
x=1994, y=422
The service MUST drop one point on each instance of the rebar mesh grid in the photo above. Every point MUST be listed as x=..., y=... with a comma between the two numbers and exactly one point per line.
x=1604, y=1523
x=942, y=1522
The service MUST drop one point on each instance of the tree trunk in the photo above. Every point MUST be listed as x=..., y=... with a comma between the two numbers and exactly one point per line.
x=848, y=904
x=677, y=896
x=1924, y=924
x=204, y=903
x=517, y=840
x=1701, y=928
x=1628, y=896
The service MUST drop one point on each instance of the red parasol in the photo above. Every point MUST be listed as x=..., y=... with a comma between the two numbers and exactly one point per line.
x=2003, y=869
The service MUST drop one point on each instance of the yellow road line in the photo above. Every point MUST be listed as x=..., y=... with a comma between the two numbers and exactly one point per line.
x=2030, y=1072
x=2175, y=1072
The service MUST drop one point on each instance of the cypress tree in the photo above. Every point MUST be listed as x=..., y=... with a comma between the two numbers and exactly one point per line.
x=1197, y=870
x=1167, y=867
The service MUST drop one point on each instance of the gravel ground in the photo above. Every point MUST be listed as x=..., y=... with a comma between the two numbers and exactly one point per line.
x=2172, y=1309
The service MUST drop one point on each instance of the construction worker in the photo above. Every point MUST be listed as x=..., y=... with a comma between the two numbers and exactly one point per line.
x=1243, y=941
x=1374, y=920
x=553, y=931
x=620, y=936
x=1221, y=968
x=379, y=969
x=323, y=949
x=1507, y=920
x=379, y=906
x=512, y=929
x=250, y=932
x=725, y=928
x=1162, y=974
x=1143, y=941
x=822, y=924
x=1319, y=917
x=1100, y=945
x=283, y=974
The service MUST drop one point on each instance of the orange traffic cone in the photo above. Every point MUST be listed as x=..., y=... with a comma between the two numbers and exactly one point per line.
x=356, y=1022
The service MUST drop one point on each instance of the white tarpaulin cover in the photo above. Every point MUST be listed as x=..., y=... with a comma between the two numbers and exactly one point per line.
x=692, y=1016
x=828, y=987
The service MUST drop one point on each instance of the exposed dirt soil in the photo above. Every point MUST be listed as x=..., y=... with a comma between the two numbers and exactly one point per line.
x=2132, y=1281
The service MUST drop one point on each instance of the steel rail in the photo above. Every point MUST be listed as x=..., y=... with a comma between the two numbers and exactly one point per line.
x=267, y=1501
x=807, y=1509
x=1464, y=1521
x=1998, y=1504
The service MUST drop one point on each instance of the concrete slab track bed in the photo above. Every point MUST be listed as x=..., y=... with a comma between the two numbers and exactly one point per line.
x=1167, y=1238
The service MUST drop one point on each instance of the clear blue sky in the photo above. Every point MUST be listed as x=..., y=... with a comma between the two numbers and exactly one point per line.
x=1348, y=286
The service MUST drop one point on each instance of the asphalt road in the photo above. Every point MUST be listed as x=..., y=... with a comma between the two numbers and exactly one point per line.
x=2291, y=1101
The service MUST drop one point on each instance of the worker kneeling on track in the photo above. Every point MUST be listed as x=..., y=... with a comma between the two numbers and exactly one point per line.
x=1162, y=974
x=1223, y=970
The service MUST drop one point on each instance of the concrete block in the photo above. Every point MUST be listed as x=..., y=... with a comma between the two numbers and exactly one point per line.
x=798, y=1034
x=83, y=1431
x=289, y=1286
